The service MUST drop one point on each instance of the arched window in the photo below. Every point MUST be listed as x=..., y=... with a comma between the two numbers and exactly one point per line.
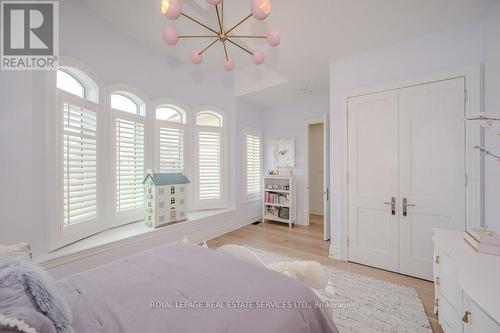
x=76, y=82
x=70, y=84
x=252, y=160
x=129, y=113
x=170, y=136
x=209, y=160
x=209, y=118
x=78, y=108
x=170, y=113
x=123, y=103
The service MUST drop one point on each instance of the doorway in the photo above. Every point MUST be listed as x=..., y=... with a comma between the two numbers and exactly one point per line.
x=316, y=203
x=316, y=172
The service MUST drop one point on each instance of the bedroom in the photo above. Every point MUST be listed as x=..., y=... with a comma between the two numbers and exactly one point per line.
x=117, y=74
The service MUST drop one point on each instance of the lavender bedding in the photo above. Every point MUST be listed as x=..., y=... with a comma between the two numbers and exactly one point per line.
x=187, y=288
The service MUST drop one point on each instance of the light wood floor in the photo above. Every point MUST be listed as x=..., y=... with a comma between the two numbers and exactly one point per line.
x=306, y=242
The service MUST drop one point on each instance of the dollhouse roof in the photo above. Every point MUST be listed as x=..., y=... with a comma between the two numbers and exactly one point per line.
x=160, y=179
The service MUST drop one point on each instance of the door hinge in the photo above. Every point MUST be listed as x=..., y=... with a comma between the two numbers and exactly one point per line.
x=465, y=96
x=466, y=180
x=347, y=112
x=347, y=177
x=347, y=241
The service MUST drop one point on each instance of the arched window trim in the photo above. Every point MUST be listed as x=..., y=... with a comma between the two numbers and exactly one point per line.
x=174, y=104
x=80, y=85
x=121, y=213
x=172, y=131
x=138, y=101
x=211, y=203
x=91, y=88
x=216, y=114
x=58, y=234
x=174, y=107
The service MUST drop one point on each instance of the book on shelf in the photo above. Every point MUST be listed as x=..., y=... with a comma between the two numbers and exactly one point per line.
x=276, y=198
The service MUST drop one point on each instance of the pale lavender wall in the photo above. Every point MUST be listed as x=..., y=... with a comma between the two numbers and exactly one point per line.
x=455, y=48
x=18, y=216
x=289, y=120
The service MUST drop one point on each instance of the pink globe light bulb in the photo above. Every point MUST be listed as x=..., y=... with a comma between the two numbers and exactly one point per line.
x=171, y=8
x=229, y=65
x=274, y=37
x=195, y=57
x=214, y=2
x=258, y=57
x=261, y=9
x=169, y=36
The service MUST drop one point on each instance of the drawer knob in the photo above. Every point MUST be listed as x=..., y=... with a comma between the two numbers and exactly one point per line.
x=437, y=260
x=436, y=306
x=466, y=316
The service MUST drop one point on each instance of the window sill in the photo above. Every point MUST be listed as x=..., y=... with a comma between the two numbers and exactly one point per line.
x=122, y=235
x=251, y=199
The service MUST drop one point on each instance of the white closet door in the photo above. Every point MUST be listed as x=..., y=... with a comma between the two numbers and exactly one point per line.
x=431, y=169
x=373, y=168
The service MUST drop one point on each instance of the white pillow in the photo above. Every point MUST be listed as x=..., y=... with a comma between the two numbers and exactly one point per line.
x=20, y=250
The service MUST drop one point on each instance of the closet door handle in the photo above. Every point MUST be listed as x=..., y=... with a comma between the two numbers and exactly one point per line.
x=393, y=205
x=405, y=206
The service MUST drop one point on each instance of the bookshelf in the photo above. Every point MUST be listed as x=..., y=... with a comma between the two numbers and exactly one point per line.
x=279, y=202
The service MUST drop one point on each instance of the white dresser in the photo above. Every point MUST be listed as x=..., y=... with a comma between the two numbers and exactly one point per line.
x=467, y=285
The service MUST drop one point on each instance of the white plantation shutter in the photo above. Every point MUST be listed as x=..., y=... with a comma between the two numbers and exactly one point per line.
x=171, y=148
x=79, y=164
x=129, y=164
x=209, y=165
x=253, y=165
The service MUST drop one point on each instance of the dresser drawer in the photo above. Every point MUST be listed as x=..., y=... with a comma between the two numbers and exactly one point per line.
x=476, y=320
x=449, y=319
x=449, y=286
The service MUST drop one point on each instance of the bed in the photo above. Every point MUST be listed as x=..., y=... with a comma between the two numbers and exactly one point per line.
x=183, y=287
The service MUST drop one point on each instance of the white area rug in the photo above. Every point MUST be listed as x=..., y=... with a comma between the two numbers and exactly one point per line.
x=373, y=305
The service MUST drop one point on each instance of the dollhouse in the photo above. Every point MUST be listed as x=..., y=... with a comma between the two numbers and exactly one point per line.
x=165, y=198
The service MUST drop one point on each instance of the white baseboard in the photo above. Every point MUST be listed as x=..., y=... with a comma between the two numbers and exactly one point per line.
x=334, y=252
x=316, y=212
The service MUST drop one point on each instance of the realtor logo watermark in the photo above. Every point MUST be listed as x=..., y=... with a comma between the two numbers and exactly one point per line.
x=30, y=35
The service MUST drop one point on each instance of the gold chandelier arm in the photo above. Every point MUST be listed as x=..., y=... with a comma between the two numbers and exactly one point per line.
x=218, y=18
x=222, y=15
x=241, y=47
x=225, y=50
x=238, y=24
x=484, y=118
x=209, y=46
x=195, y=36
x=198, y=22
x=250, y=37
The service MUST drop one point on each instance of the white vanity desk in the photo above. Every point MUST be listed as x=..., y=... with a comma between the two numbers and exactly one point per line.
x=467, y=285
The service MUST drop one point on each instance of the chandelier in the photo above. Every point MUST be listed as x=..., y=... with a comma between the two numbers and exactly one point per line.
x=260, y=9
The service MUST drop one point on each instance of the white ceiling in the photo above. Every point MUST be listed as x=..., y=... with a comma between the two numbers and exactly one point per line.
x=314, y=32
